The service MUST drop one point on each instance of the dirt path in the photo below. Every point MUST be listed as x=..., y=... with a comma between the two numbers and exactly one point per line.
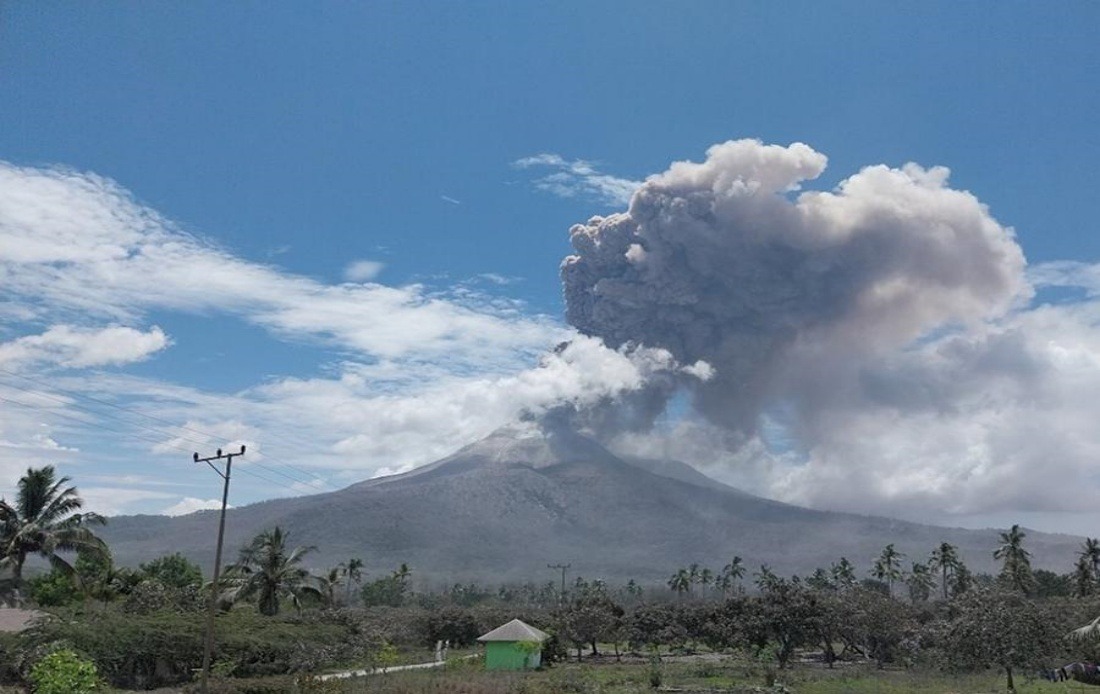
x=395, y=668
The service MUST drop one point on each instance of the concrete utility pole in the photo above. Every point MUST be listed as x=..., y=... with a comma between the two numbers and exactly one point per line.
x=208, y=646
x=563, y=567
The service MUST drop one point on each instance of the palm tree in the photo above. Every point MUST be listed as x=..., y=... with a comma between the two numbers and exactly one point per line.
x=706, y=577
x=693, y=576
x=1016, y=570
x=946, y=559
x=1084, y=582
x=1090, y=552
x=352, y=570
x=680, y=582
x=920, y=582
x=328, y=584
x=888, y=567
x=44, y=521
x=844, y=574
x=732, y=574
x=267, y=571
x=766, y=579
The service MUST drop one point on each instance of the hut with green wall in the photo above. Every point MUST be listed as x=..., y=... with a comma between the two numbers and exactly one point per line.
x=513, y=646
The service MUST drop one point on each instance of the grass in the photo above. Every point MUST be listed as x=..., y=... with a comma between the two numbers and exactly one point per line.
x=700, y=678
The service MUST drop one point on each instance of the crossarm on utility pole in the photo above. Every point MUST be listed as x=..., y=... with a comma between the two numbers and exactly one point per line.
x=208, y=641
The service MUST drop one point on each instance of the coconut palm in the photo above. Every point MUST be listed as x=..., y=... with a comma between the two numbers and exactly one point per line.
x=1090, y=552
x=732, y=574
x=269, y=572
x=945, y=558
x=1084, y=582
x=328, y=585
x=352, y=570
x=766, y=579
x=44, y=521
x=920, y=582
x=888, y=567
x=680, y=582
x=706, y=577
x=1016, y=570
x=844, y=573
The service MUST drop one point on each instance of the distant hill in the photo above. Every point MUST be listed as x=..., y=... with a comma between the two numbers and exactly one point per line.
x=504, y=507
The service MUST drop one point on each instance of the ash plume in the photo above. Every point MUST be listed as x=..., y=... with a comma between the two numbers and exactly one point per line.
x=786, y=293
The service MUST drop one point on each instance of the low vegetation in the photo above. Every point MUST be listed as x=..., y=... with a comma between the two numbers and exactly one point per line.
x=929, y=626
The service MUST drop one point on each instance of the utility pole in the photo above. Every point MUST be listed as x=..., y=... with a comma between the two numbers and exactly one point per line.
x=563, y=567
x=208, y=646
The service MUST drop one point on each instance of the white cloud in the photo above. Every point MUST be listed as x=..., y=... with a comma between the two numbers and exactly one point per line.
x=362, y=270
x=75, y=347
x=190, y=504
x=79, y=246
x=578, y=178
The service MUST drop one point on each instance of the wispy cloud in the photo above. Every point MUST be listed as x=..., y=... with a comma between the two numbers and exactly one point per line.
x=362, y=270
x=447, y=198
x=578, y=178
x=76, y=247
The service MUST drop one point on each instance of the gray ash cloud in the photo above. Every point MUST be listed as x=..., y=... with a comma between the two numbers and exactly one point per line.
x=786, y=293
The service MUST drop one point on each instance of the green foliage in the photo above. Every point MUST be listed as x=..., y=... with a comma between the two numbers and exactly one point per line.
x=390, y=591
x=173, y=570
x=1002, y=629
x=454, y=624
x=53, y=589
x=44, y=519
x=164, y=648
x=151, y=596
x=64, y=672
x=269, y=573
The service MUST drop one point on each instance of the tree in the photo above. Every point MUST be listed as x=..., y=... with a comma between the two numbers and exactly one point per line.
x=945, y=558
x=1084, y=580
x=269, y=572
x=920, y=582
x=45, y=520
x=1090, y=553
x=328, y=584
x=888, y=567
x=844, y=574
x=821, y=580
x=1004, y=629
x=173, y=570
x=731, y=575
x=706, y=577
x=680, y=582
x=591, y=616
x=352, y=571
x=766, y=580
x=389, y=590
x=1016, y=567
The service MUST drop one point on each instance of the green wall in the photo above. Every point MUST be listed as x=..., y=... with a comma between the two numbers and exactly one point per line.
x=506, y=655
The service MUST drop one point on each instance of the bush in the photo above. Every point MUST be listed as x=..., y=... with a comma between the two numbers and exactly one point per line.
x=164, y=648
x=64, y=672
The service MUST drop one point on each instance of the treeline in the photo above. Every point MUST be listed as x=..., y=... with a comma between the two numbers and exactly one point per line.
x=143, y=627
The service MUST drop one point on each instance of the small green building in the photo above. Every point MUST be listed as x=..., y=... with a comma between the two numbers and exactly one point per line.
x=514, y=646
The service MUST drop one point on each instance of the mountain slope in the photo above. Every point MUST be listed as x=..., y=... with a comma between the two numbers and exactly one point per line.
x=504, y=507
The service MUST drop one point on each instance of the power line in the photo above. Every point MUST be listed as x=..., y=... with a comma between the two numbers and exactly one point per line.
x=139, y=437
x=310, y=478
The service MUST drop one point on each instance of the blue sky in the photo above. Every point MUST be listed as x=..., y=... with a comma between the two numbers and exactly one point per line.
x=282, y=143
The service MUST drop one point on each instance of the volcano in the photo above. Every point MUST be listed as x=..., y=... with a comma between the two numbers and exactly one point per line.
x=504, y=507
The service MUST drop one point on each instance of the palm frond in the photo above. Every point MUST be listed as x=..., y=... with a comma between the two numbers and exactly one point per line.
x=1089, y=632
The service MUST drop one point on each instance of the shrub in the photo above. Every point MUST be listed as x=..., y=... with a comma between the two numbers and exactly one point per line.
x=64, y=672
